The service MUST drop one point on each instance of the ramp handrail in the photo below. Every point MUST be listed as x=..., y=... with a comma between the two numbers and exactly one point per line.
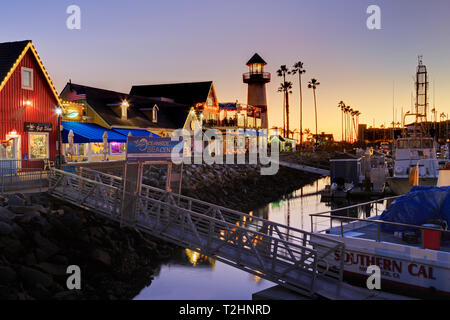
x=271, y=250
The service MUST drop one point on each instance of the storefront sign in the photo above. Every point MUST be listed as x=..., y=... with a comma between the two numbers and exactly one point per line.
x=152, y=149
x=37, y=127
x=73, y=112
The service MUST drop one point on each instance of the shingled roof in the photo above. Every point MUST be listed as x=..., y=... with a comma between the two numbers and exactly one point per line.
x=189, y=93
x=170, y=115
x=9, y=53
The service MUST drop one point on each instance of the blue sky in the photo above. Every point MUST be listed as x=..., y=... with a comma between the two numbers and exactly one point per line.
x=136, y=42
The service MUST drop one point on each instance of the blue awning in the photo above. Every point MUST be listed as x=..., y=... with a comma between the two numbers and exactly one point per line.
x=89, y=132
x=136, y=132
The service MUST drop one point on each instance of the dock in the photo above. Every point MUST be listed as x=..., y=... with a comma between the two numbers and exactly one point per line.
x=348, y=292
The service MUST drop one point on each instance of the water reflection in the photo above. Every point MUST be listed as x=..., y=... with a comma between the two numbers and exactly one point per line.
x=190, y=275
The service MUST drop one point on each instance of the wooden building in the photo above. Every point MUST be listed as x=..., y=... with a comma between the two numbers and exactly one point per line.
x=90, y=112
x=28, y=104
x=199, y=95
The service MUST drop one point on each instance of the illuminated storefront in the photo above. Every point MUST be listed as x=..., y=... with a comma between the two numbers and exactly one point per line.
x=28, y=100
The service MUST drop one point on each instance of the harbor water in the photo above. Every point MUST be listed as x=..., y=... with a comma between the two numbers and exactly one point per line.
x=195, y=277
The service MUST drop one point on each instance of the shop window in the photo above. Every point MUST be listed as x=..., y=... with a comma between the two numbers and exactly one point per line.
x=97, y=148
x=117, y=147
x=38, y=146
x=27, y=78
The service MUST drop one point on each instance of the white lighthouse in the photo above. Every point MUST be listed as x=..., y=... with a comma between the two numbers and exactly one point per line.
x=256, y=79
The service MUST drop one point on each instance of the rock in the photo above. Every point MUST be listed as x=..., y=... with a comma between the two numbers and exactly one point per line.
x=101, y=256
x=7, y=275
x=53, y=269
x=6, y=214
x=15, y=200
x=5, y=228
x=12, y=247
x=21, y=209
x=30, y=259
x=48, y=247
x=65, y=295
x=33, y=277
x=59, y=259
x=32, y=214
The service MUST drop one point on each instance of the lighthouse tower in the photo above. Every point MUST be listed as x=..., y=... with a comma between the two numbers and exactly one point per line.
x=256, y=79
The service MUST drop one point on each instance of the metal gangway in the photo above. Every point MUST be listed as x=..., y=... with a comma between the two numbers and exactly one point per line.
x=278, y=253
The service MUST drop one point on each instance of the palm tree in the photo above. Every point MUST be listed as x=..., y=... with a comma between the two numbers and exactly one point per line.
x=286, y=87
x=313, y=84
x=341, y=105
x=354, y=113
x=298, y=69
x=282, y=72
x=347, y=111
x=308, y=134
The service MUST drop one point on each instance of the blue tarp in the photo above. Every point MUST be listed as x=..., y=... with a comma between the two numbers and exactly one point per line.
x=89, y=132
x=418, y=206
x=136, y=133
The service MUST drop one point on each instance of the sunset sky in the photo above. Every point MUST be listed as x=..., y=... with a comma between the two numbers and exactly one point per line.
x=122, y=43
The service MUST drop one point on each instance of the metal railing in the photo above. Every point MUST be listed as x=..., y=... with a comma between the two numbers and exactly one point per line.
x=262, y=75
x=276, y=252
x=331, y=217
x=19, y=175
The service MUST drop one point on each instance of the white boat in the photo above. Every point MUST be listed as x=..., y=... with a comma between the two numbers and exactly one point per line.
x=409, y=153
x=418, y=267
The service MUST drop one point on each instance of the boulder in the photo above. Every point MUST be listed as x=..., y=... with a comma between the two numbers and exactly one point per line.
x=21, y=209
x=15, y=200
x=53, y=269
x=5, y=228
x=101, y=256
x=7, y=275
x=6, y=214
x=33, y=277
x=48, y=247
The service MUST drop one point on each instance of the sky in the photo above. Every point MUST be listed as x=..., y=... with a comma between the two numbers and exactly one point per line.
x=125, y=43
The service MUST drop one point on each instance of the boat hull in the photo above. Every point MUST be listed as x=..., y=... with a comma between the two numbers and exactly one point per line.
x=401, y=186
x=404, y=269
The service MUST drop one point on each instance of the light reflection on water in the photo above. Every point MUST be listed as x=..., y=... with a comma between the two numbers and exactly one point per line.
x=193, y=276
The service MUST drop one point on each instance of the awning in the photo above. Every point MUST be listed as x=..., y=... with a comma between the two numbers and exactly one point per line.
x=135, y=132
x=89, y=132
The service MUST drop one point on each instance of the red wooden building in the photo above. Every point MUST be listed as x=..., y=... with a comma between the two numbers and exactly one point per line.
x=28, y=104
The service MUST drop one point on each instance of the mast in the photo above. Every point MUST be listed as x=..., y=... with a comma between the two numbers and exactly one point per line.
x=421, y=94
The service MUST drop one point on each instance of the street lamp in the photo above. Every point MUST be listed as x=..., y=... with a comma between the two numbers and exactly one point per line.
x=59, y=112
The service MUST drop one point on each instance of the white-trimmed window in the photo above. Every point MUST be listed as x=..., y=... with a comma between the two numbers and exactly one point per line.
x=155, y=113
x=38, y=145
x=27, y=78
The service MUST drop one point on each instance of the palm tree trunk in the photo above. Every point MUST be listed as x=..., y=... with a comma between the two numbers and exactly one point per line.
x=315, y=109
x=301, y=108
x=284, y=116
x=287, y=112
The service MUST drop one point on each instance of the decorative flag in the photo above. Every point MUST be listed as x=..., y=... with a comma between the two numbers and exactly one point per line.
x=76, y=95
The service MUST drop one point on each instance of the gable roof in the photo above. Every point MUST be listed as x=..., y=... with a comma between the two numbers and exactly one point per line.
x=11, y=54
x=256, y=59
x=170, y=115
x=188, y=93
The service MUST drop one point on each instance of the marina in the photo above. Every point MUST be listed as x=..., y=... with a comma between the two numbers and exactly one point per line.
x=219, y=151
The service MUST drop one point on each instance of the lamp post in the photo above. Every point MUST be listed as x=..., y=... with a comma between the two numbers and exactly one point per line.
x=59, y=112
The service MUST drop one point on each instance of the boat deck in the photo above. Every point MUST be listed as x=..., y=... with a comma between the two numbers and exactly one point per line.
x=369, y=231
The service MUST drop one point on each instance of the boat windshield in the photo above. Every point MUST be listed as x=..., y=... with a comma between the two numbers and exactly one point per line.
x=415, y=144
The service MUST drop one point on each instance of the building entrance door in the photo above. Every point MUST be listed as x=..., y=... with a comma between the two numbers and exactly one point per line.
x=11, y=152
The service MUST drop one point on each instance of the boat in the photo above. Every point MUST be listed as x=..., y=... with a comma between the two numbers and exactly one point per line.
x=409, y=153
x=413, y=261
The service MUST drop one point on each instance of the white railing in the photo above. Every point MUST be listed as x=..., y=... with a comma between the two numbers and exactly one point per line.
x=273, y=251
